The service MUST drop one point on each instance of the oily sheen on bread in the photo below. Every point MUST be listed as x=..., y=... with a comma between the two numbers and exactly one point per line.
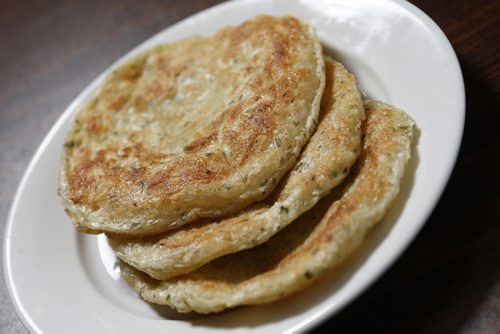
x=322, y=165
x=201, y=127
x=306, y=249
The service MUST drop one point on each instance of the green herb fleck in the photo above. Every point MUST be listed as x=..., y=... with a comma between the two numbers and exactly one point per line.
x=69, y=144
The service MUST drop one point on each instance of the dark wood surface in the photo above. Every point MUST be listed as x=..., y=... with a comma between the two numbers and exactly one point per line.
x=448, y=280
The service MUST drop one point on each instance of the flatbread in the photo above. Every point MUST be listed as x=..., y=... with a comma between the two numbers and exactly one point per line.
x=308, y=248
x=201, y=127
x=323, y=164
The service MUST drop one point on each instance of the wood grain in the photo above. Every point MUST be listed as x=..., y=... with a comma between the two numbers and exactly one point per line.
x=449, y=278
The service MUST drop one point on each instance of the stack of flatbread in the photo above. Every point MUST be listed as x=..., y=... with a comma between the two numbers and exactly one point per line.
x=210, y=163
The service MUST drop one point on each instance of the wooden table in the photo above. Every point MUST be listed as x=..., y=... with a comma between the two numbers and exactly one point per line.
x=448, y=280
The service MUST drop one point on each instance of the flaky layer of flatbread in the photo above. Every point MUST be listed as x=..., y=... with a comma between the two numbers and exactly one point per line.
x=323, y=164
x=305, y=250
x=201, y=127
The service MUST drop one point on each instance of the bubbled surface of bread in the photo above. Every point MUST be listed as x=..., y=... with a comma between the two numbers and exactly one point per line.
x=323, y=164
x=308, y=248
x=202, y=127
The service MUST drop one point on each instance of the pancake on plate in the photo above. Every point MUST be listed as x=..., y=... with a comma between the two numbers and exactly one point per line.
x=323, y=164
x=306, y=249
x=201, y=127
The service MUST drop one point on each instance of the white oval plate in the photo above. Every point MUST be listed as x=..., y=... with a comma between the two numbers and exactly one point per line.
x=61, y=281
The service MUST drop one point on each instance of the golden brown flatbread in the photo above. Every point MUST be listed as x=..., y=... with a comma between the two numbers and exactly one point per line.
x=323, y=164
x=306, y=249
x=201, y=127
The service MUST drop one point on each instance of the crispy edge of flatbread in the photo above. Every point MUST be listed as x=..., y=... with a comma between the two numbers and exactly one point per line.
x=377, y=178
x=322, y=165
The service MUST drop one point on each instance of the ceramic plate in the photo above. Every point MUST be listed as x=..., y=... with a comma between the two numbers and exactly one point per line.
x=61, y=281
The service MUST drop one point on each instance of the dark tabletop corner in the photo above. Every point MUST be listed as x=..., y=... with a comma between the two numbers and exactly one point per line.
x=448, y=280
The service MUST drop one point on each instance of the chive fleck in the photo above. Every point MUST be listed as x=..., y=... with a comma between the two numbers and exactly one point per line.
x=69, y=144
